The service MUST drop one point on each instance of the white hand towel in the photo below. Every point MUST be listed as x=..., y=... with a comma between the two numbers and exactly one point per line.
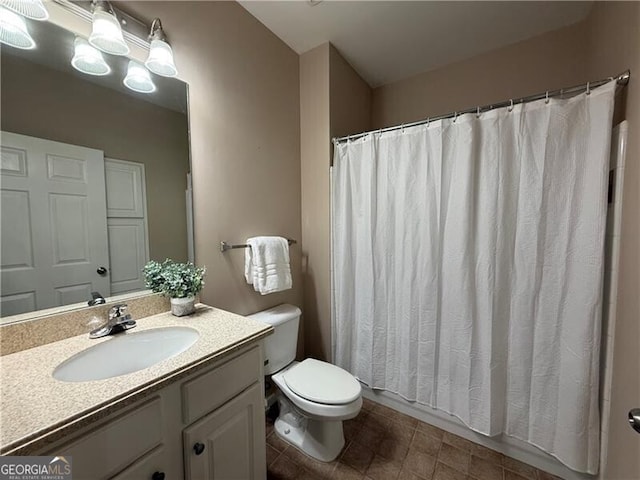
x=248, y=264
x=267, y=264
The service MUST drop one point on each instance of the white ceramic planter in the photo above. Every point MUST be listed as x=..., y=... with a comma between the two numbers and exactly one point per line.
x=183, y=306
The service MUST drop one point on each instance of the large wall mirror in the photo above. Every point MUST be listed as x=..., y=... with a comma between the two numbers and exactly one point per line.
x=94, y=177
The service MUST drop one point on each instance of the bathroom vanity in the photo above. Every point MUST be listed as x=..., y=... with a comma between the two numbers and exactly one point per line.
x=197, y=415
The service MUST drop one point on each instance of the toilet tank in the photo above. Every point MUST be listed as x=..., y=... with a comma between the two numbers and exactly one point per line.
x=280, y=347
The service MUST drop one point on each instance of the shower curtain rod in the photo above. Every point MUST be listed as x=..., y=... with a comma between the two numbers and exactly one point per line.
x=621, y=79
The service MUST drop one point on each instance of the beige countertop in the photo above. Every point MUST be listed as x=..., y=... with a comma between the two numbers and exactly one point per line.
x=36, y=409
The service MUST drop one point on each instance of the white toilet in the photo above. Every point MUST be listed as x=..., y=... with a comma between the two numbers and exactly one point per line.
x=315, y=396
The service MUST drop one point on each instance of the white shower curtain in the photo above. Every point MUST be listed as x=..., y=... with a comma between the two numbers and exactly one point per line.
x=468, y=261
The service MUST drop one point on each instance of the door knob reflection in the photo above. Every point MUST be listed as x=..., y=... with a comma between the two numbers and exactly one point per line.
x=634, y=419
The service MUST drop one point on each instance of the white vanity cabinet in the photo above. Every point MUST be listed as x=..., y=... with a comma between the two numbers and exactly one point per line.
x=227, y=440
x=208, y=425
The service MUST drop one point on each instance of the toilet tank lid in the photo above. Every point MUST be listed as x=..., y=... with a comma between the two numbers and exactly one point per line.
x=277, y=315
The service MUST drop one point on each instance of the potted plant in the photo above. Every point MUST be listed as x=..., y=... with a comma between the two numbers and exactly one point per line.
x=181, y=282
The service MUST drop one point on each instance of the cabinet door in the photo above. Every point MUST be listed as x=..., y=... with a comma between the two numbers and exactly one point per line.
x=229, y=443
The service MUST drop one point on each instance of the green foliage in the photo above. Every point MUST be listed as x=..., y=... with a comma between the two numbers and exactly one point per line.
x=175, y=280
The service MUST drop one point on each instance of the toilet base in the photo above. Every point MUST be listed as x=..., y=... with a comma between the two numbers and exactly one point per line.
x=322, y=440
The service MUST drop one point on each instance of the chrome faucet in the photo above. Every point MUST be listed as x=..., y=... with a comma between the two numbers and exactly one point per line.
x=118, y=321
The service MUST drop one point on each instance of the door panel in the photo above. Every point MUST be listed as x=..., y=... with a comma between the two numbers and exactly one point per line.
x=69, y=219
x=127, y=224
x=125, y=189
x=13, y=162
x=128, y=253
x=54, y=228
x=17, y=244
x=73, y=293
x=18, y=303
x=66, y=169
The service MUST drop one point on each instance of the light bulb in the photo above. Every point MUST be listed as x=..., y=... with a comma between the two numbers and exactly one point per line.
x=160, y=60
x=33, y=9
x=13, y=30
x=88, y=59
x=106, y=34
x=138, y=78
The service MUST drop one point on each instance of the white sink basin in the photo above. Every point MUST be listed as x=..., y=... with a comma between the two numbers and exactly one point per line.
x=126, y=353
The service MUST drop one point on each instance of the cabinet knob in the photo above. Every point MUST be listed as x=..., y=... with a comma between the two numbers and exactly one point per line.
x=198, y=448
x=157, y=476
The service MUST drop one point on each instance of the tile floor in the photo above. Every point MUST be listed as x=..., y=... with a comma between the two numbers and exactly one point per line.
x=383, y=444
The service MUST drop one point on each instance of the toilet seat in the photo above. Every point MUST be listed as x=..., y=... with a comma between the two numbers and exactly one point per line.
x=315, y=410
x=322, y=382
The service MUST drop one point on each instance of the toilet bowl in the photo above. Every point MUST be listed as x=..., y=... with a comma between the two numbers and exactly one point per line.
x=314, y=396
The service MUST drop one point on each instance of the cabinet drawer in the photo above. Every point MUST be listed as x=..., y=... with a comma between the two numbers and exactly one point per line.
x=211, y=389
x=146, y=467
x=109, y=449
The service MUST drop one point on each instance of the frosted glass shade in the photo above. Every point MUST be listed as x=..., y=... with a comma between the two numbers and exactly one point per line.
x=88, y=59
x=33, y=9
x=13, y=30
x=160, y=60
x=106, y=34
x=138, y=78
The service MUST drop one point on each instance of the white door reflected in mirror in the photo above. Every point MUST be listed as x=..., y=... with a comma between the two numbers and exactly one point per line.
x=54, y=224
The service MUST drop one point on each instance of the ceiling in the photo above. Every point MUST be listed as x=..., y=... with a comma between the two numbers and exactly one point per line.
x=387, y=41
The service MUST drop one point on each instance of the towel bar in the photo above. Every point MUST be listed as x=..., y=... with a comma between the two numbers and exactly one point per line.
x=224, y=246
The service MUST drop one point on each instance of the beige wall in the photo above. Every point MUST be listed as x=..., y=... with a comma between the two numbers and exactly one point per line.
x=46, y=103
x=334, y=100
x=244, y=108
x=314, y=156
x=554, y=60
x=606, y=43
x=614, y=46
x=350, y=101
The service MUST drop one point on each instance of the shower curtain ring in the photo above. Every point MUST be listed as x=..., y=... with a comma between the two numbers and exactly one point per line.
x=428, y=121
x=546, y=97
x=510, y=105
x=478, y=112
x=455, y=117
x=588, y=88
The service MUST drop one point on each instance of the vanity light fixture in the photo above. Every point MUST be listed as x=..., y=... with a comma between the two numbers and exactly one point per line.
x=13, y=30
x=160, y=60
x=138, y=78
x=88, y=59
x=106, y=34
x=33, y=9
